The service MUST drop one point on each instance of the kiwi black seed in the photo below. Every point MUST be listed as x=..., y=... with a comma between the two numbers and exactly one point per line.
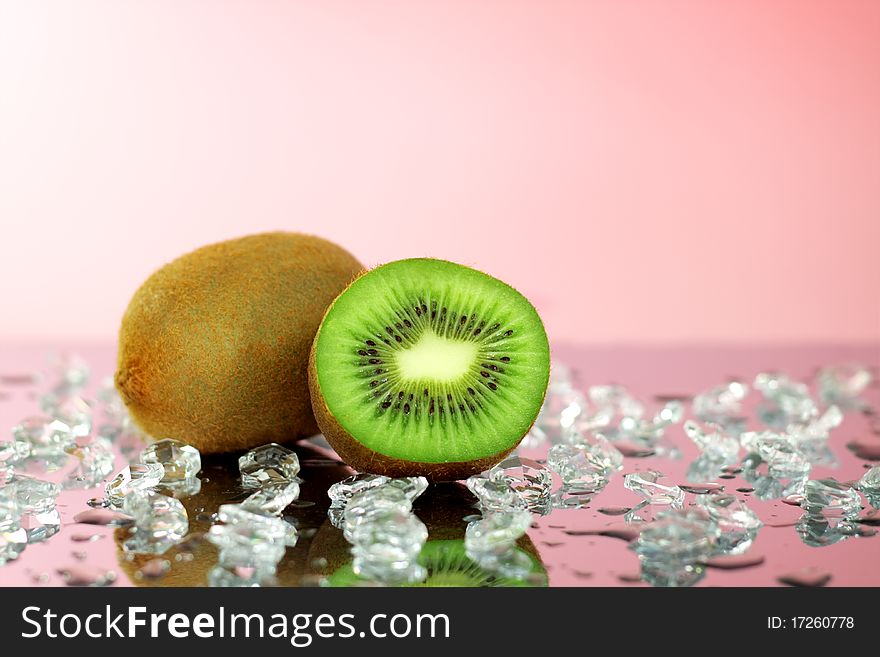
x=427, y=367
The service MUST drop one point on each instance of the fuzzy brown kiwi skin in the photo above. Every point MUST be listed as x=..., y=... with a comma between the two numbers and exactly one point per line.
x=364, y=459
x=213, y=347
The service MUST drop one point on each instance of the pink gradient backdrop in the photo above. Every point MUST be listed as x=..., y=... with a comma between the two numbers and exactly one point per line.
x=645, y=171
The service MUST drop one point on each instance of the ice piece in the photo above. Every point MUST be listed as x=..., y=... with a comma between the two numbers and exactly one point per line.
x=133, y=478
x=831, y=498
x=12, y=451
x=72, y=410
x=10, y=514
x=527, y=478
x=249, y=539
x=615, y=400
x=495, y=495
x=40, y=526
x=387, y=550
x=869, y=484
x=342, y=491
x=573, y=498
x=12, y=544
x=6, y=473
x=372, y=505
x=737, y=524
x=770, y=486
x=778, y=451
x=578, y=467
x=678, y=537
x=412, y=487
x=790, y=401
x=268, y=464
x=95, y=463
x=822, y=531
x=44, y=434
x=496, y=533
x=645, y=484
x=180, y=490
x=666, y=574
x=649, y=431
x=716, y=445
x=180, y=461
x=272, y=500
x=721, y=403
x=35, y=495
x=842, y=385
x=156, y=517
x=71, y=370
x=598, y=449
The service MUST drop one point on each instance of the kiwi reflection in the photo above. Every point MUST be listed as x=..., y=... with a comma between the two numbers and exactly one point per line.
x=192, y=560
x=443, y=509
x=322, y=553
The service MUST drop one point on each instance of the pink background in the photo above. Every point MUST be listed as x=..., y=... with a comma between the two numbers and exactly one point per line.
x=645, y=171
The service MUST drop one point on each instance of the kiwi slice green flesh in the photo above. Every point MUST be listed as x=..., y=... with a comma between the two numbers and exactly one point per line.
x=428, y=362
x=448, y=565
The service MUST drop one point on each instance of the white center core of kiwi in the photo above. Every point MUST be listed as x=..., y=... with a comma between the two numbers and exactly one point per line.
x=436, y=358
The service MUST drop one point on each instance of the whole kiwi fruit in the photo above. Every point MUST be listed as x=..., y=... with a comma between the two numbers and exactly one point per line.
x=424, y=367
x=213, y=348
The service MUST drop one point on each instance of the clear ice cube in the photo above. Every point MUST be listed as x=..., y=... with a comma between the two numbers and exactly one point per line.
x=342, y=491
x=721, y=403
x=372, y=505
x=387, y=550
x=737, y=524
x=645, y=484
x=12, y=544
x=716, y=445
x=843, y=385
x=829, y=497
x=272, y=500
x=677, y=538
x=35, y=495
x=156, y=517
x=789, y=401
x=249, y=539
x=180, y=461
x=95, y=461
x=527, y=478
x=268, y=464
x=494, y=495
x=869, y=484
x=496, y=532
x=44, y=434
x=412, y=487
x=135, y=478
x=72, y=410
x=12, y=451
x=579, y=466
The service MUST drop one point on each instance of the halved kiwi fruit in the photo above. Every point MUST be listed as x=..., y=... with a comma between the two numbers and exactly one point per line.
x=427, y=367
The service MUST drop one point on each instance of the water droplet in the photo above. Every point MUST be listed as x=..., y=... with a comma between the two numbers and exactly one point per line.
x=727, y=476
x=731, y=469
x=745, y=489
x=623, y=532
x=702, y=489
x=865, y=450
x=614, y=510
x=86, y=538
x=793, y=500
x=634, y=451
x=101, y=517
x=83, y=575
x=154, y=569
x=79, y=555
x=735, y=562
x=630, y=578
x=583, y=574
x=552, y=543
x=808, y=578
x=301, y=504
x=98, y=503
